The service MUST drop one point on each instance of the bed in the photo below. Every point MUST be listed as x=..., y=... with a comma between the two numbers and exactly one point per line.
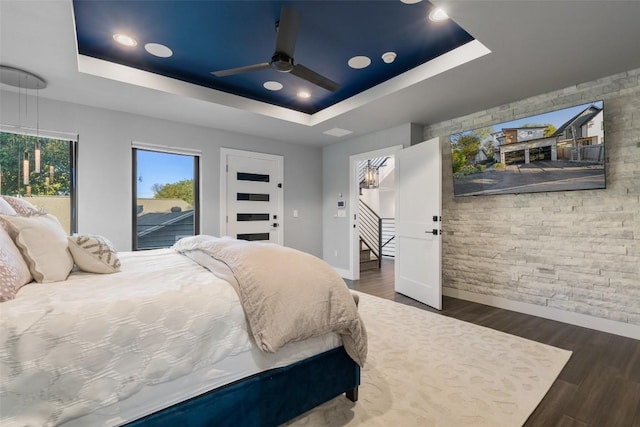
x=163, y=341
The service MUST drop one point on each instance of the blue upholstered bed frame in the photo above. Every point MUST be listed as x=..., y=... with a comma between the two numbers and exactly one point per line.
x=266, y=399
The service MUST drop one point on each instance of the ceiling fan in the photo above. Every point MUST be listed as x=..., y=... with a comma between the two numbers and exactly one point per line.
x=282, y=59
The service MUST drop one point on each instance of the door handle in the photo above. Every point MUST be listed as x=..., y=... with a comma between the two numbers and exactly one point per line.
x=435, y=231
x=275, y=225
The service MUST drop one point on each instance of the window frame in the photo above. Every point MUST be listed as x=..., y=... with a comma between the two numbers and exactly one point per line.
x=196, y=154
x=73, y=140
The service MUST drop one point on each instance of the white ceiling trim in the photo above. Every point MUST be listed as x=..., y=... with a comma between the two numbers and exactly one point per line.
x=459, y=56
x=125, y=74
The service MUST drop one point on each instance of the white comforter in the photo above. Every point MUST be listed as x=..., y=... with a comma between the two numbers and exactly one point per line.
x=68, y=348
x=287, y=295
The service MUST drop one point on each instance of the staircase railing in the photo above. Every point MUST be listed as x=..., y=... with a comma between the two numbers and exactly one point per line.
x=376, y=233
x=388, y=237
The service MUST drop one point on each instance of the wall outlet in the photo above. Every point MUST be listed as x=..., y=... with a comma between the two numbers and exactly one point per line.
x=335, y=252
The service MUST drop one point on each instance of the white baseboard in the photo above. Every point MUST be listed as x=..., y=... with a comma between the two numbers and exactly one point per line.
x=345, y=274
x=578, y=319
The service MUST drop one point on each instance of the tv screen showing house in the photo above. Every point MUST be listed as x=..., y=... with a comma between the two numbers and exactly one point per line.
x=560, y=150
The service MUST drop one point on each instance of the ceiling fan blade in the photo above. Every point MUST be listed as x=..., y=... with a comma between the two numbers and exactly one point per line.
x=240, y=70
x=288, y=27
x=315, y=78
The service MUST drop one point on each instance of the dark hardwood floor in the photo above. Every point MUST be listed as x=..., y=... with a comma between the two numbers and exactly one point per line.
x=599, y=386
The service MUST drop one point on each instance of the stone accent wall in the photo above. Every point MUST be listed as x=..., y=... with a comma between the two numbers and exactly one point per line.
x=577, y=251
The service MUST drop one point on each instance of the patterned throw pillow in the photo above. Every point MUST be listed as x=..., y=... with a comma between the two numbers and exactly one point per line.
x=5, y=207
x=22, y=207
x=94, y=254
x=43, y=244
x=14, y=272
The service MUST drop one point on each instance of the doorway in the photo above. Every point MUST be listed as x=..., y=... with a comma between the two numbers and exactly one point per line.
x=418, y=181
x=354, y=184
x=376, y=211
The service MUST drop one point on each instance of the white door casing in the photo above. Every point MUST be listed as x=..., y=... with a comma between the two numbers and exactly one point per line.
x=418, y=265
x=354, y=248
x=251, y=202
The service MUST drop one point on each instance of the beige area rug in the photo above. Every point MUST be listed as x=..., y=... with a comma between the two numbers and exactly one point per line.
x=425, y=369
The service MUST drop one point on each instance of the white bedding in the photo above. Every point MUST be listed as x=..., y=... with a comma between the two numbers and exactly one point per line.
x=105, y=349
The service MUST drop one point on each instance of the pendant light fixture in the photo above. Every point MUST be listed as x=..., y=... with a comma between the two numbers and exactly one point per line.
x=371, y=176
x=26, y=80
x=25, y=169
x=36, y=151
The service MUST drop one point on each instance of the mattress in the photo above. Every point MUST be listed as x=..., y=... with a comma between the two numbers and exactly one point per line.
x=107, y=349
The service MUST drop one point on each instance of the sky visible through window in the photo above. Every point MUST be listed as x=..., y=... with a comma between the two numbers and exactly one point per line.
x=161, y=168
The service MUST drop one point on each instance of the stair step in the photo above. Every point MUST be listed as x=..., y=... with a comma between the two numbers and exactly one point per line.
x=368, y=256
x=368, y=264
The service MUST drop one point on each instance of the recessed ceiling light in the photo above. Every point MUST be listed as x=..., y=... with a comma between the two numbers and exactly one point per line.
x=337, y=132
x=389, y=57
x=438, y=14
x=158, y=50
x=303, y=94
x=125, y=40
x=271, y=85
x=410, y=1
x=359, y=62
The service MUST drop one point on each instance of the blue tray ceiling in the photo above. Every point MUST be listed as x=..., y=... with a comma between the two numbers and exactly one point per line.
x=207, y=36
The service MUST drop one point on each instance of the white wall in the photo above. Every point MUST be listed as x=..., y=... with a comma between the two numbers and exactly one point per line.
x=387, y=203
x=388, y=190
x=372, y=198
x=335, y=181
x=104, y=168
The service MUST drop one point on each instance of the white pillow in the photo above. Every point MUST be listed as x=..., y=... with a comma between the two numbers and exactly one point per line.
x=14, y=272
x=43, y=244
x=94, y=254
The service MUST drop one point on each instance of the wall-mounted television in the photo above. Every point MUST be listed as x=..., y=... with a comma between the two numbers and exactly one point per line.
x=560, y=150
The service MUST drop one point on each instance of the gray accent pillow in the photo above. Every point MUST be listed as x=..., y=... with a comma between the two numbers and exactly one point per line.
x=94, y=254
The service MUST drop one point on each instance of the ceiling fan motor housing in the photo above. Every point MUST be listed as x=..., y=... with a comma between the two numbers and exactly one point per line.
x=282, y=59
x=281, y=62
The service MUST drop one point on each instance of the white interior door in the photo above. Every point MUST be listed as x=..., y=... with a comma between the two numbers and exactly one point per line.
x=251, y=190
x=418, y=272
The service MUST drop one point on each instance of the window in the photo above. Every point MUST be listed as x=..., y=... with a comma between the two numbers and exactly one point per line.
x=165, y=203
x=42, y=170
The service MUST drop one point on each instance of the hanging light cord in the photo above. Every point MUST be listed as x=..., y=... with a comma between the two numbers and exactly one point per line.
x=38, y=112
